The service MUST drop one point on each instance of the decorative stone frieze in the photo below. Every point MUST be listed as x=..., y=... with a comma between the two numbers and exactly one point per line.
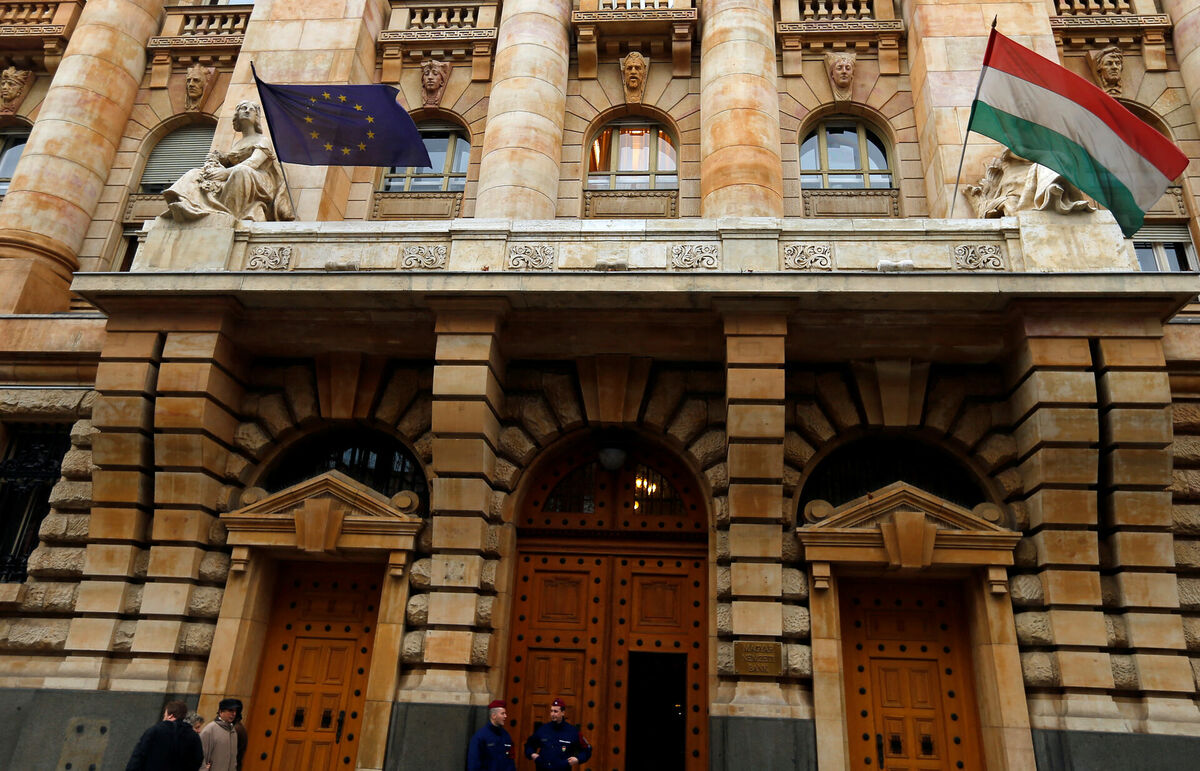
x=270, y=258
x=191, y=35
x=811, y=27
x=36, y=33
x=530, y=257
x=434, y=205
x=460, y=31
x=695, y=256
x=1078, y=28
x=808, y=257
x=424, y=257
x=622, y=24
x=978, y=257
x=883, y=202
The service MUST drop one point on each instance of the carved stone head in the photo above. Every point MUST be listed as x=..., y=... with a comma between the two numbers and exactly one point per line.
x=840, y=66
x=1108, y=64
x=434, y=75
x=247, y=117
x=196, y=85
x=14, y=84
x=634, y=69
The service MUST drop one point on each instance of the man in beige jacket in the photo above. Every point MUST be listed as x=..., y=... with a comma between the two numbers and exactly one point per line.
x=219, y=739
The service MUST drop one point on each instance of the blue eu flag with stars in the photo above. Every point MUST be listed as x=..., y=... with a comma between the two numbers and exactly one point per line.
x=331, y=125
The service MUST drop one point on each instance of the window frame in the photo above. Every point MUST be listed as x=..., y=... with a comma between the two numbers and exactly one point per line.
x=1155, y=238
x=863, y=128
x=31, y=456
x=651, y=171
x=399, y=179
x=177, y=163
x=8, y=135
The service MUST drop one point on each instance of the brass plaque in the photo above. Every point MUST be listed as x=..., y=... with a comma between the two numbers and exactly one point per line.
x=758, y=658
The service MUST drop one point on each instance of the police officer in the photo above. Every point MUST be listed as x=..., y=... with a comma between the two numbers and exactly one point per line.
x=491, y=748
x=557, y=744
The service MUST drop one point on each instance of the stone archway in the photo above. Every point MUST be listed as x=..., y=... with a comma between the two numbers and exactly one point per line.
x=906, y=534
x=326, y=521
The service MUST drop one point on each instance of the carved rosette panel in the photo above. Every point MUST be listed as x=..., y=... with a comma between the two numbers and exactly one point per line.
x=978, y=257
x=270, y=258
x=808, y=257
x=424, y=257
x=695, y=256
x=531, y=257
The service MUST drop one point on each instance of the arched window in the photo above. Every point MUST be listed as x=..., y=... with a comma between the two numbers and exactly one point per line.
x=844, y=154
x=633, y=154
x=379, y=461
x=449, y=153
x=12, y=144
x=183, y=149
x=868, y=464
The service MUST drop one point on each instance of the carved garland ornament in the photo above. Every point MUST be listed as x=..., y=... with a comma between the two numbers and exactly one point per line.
x=424, y=257
x=270, y=258
x=978, y=257
x=531, y=257
x=693, y=256
x=808, y=257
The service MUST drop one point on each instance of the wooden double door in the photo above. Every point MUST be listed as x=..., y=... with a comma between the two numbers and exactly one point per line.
x=618, y=633
x=909, y=684
x=306, y=712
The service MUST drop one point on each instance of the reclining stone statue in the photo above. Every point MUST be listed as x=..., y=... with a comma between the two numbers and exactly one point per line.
x=247, y=182
x=1011, y=184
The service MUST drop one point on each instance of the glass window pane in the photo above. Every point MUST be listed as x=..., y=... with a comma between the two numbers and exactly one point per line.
x=436, y=144
x=666, y=152
x=393, y=184
x=426, y=183
x=632, y=182
x=809, y=161
x=845, y=181
x=881, y=180
x=598, y=182
x=841, y=146
x=456, y=183
x=666, y=182
x=1145, y=255
x=601, y=157
x=876, y=154
x=8, y=161
x=634, y=149
x=1176, y=256
x=810, y=181
x=462, y=155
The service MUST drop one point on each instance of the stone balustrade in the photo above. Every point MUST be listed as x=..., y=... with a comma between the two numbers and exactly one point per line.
x=212, y=34
x=422, y=30
x=37, y=32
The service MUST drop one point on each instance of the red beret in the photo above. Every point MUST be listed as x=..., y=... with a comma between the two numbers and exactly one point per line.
x=558, y=703
x=498, y=704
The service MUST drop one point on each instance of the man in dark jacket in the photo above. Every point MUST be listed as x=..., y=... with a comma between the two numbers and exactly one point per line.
x=491, y=748
x=557, y=744
x=169, y=745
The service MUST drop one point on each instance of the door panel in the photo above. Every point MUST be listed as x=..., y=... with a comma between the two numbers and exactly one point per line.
x=909, y=689
x=306, y=711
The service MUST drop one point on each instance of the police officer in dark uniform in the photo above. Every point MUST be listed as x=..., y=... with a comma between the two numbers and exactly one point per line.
x=491, y=748
x=557, y=744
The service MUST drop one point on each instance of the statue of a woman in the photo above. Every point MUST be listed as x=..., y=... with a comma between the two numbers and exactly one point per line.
x=246, y=182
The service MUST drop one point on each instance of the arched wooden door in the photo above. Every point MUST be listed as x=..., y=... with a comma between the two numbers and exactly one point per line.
x=611, y=608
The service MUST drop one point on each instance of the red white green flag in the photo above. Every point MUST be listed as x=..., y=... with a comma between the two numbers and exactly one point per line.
x=1049, y=115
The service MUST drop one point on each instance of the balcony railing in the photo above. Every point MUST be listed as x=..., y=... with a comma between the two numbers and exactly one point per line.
x=1093, y=7
x=422, y=29
x=641, y=5
x=36, y=32
x=838, y=9
x=806, y=28
x=192, y=33
x=630, y=25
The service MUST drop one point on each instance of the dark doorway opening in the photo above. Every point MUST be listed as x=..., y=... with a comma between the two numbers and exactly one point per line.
x=657, y=728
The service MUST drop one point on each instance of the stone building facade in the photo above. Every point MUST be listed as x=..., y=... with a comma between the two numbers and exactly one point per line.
x=681, y=386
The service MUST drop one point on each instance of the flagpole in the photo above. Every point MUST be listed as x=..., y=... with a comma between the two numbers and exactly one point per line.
x=962, y=156
x=282, y=170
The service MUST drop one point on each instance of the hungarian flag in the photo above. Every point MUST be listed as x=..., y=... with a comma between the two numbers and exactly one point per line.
x=331, y=125
x=1049, y=115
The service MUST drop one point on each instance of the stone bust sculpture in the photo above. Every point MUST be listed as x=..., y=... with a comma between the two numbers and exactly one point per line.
x=840, y=66
x=1011, y=184
x=196, y=85
x=634, y=69
x=1108, y=64
x=247, y=182
x=14, y=84
x=434, y=75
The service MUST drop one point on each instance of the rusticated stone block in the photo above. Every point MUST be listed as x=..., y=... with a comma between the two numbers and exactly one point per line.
x=40, y=634
x=301, y=392
x=796, y=451
x=1124, y=672
x=1186, y=417
x=417, y=418
x=812, y=421
x=1186, y=451
x=944, y=400
x=563, y=396
x=273, y=413
x=21, y=404
x=724, y=583
x=725, y=658
x=487, y=576
x=997, y=450
x=46, y=597
x=205, y=601
x=721, y=510
x=417, y=612
x=709, y=448
x=480, y=642
x=419, y=573
x=796, y=622
x=797, y=660
x=77, y=464
x=51, y=562
x=724, y=619
x=1039, y=669
x=401, y=389
x=835, y=397
x=1191, y=633
x=1189, y=593
x=69, y=495
x=214, y=566
x=484, y=607
x=517, y=445
x=718, y=477
x=972, y=424
x=689, y=421
x=82, y=433
x=1185, y=484
x=1116, y=631
x=59, y=528
x=723, y=546
x=412, y=650
x=196, y=639
x=251, y=438
x=1033, y=628
x=1187, y=553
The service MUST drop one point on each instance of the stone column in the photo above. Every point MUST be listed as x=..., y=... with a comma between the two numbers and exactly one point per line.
x=755, y=427
x=741, y=174
x=1185, y=33
x=57, y=184
x=1054, y=411
x=119, y=523
x=1135, y=504
x=463, y=583
x=195, y=411
x=522, y=148
x=946, y=43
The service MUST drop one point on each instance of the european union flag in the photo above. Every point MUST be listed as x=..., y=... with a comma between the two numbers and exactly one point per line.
x=360, y=125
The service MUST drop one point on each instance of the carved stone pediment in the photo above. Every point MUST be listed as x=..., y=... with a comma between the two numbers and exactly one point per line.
x=330, y=514
x=901, y=527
